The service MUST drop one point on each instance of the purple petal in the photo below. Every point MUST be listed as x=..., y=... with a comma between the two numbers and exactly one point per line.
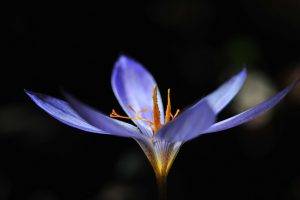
x=133, y=86
x=226, y=92
x=101, y=121
x=250, y=113
x=63, y=112
x=189, y=124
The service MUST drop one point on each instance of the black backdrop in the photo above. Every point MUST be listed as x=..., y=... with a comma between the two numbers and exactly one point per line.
x=189, y=46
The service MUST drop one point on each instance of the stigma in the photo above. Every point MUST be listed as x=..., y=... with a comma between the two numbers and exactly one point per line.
x=155, y=122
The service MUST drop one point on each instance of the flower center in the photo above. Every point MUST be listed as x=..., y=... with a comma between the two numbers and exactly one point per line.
x=155, y=122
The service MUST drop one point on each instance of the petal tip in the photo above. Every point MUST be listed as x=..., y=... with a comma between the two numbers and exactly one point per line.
x=244, y=70
x=26, y=91
x=122, y=60
x=122, y=57
x=243, y=73
x=34, y=95
x=30, y=93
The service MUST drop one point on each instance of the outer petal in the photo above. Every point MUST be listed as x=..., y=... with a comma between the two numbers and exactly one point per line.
x=226, y=92
x=189, y=124
x=63, y=112
x=250, y=113
x=133, y=86
x=102, y=121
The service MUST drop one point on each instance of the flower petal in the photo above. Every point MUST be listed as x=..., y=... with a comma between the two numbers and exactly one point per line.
x=189, y=124
x=226, y=92
x=250, y=113
x=101, y=121
x=133, y=87
x=63, y=112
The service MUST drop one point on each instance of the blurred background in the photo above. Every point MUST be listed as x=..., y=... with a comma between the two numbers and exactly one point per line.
x=190, y=47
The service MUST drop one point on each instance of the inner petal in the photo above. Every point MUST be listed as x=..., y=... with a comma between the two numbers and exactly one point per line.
x=133, y=86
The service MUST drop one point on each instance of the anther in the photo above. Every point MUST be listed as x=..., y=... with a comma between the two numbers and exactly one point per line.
x=177, y=112
x=114, y=114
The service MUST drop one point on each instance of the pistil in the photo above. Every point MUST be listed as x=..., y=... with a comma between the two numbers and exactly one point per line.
x=156, y=112
x=169, y=108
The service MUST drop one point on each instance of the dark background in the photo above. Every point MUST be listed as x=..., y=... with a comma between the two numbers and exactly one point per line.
x=189, y=46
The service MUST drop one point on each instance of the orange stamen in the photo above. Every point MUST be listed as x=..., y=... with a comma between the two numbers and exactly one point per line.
x=177, y=112
x=155, y=124
x=114, y=114
x=169, y=108
x=156, y=112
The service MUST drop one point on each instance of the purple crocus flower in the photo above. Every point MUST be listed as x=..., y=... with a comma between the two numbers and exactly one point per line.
x=160, y=134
